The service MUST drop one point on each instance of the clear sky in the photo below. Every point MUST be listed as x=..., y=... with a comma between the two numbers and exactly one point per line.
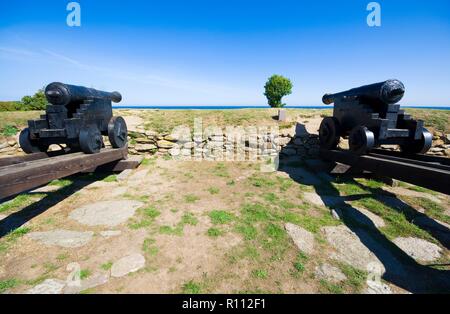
x=220, y=52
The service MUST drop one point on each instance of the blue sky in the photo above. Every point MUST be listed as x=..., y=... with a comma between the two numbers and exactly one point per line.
x=220, y=52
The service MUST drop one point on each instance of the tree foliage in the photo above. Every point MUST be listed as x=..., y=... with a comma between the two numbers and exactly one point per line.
x=35, y=102
x=276, y=88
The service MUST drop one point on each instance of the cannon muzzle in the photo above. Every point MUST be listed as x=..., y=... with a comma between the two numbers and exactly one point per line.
x=388, y=92
x=64, y=94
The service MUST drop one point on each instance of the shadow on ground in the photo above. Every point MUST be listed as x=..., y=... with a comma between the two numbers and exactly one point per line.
x=401, y=270
x=21, y=217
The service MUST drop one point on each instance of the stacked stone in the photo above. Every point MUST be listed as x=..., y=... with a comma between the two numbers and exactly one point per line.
x=441, y=144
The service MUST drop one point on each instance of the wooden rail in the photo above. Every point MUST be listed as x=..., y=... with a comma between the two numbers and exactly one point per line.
x=18, y=175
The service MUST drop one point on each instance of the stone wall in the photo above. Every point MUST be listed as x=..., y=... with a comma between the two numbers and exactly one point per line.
x=247, y=142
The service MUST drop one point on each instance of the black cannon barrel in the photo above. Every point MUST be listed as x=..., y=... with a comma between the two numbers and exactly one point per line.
x=388, y=92
x=63, y=94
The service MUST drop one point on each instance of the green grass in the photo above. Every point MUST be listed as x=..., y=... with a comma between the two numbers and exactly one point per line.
x=149, y=248
x=329, y=287
x=85, y=273
x=260, y=274
x=61, y=257
x=191, y=198
x=110, y=178
x=107, y=265
x=220, y=170
x=299, y=264
x=61, y=182
x=213, y=190
x=432, y=209
x=186, y=219
x=231, y=183
x=220, y=217
x=19, y=201
x=214, y=232
x=148, y=162
x=191, y=287
x=9, y=130
x=17, y=233
x=8, y=284
x=356, y=278
x=147, y=216
x=261, y=182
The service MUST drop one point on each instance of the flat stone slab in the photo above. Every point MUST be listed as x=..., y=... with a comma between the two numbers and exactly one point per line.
x=46, y=189
x=377, y=287
x=365, y=217
x=302, y=238
x=419, y=249
x=91, y=282
x=302, y=176
x=360, y=250
x=322, y=200
x=106, y=213
x=49, y=286
x=64, y=238
x=329, y=273
x=2, y=217
x=349, y=247
x=110, y=233
x=127, y=264
x=407, y=192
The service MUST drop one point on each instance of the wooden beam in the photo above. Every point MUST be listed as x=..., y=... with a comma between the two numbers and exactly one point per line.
x=21, y=177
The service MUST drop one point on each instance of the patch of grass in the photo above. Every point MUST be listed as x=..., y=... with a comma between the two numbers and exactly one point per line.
x=19, y=201
x=213, y=190
x=62, y=257
x=284, y=183
x=8, y=284
x=432, y=209
x=107, y=265
x=85, y=273
x=110, y=178
x=189, y=219
x=177, y=230
x=355, y=278
x=191, y=287
x=149, y=248
x=261, y=182
x=148, y=161
x=191, y=198
x=299, y=264
x=329, y=287
x=61, y=182
x=18, y=233
x=231, y=183
x=148, y=215
x=247, y=230
x=312, y=223
x=9, y=130
x=260, y=273
x=220, y=170
x=214, y=232
x=220, y=217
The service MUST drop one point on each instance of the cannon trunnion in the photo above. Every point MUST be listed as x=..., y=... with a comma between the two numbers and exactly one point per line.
x=78, y=117
x=370, y=116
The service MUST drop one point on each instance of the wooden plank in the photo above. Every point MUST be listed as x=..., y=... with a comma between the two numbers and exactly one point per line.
x=121, y=165
x=7, y=161
x=27, y=175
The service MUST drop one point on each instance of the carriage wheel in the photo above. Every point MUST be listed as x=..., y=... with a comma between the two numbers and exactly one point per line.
x=29, y=146
x=419, y=146
x=91, y=140
x=361, y=140
x=117, y=132
x=329, y=133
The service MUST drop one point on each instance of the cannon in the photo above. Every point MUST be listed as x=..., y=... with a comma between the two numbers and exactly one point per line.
x=370, y=116
x=78, y=117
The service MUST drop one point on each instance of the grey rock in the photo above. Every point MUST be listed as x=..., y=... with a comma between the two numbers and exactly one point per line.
x=110, y=233
x=282, y=116
x=377, y=287
x=90, y=282
x=419, y=249
x=106, y=213
x=323, y=200
x=124, y=175
x=365, y=217
x=127, y=264
x=302, y=238
x=64, y=238
x=49, y=286
x=329, y=273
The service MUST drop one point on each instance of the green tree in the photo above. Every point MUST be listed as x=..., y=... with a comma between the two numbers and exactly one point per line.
x=275, y=89
x=35, y=102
